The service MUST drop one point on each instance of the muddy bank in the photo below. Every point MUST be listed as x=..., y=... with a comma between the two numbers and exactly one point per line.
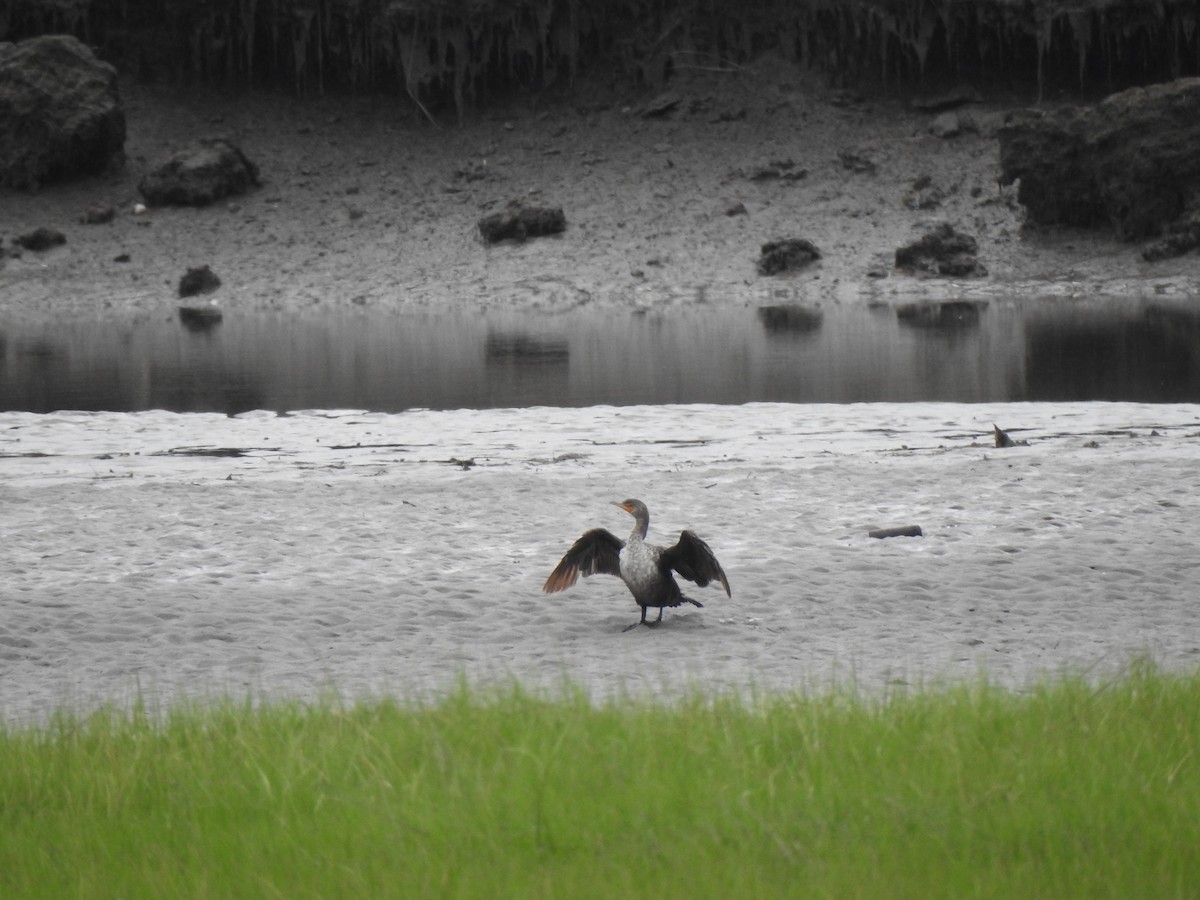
x=364, y=204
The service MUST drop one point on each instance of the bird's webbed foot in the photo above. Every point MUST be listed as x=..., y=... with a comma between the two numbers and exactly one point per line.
x=653, y=624
x=643, y=621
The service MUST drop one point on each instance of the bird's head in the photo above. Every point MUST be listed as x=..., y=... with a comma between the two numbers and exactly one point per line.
x=635, y=508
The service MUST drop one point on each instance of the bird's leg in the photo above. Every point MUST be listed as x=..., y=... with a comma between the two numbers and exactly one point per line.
x=659, y=619
x=642, y=621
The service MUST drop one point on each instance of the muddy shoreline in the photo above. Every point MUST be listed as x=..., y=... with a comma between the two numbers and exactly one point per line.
x=366, y=205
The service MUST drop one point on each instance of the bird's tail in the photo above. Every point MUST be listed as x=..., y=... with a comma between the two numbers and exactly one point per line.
x=691, y=601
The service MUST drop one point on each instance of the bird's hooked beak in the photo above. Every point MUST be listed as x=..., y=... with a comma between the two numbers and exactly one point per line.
x=622, y=505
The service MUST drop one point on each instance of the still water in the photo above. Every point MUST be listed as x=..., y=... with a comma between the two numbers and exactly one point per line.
x=1047, y=349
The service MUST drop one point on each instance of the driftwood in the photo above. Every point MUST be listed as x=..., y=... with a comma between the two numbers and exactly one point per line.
x=901, y=531
x=1003, y=440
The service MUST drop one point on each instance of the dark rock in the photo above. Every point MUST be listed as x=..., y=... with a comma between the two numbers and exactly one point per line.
x=942, y=252
x=843, y=98
x=948, y=125
x=729, y=114
x=787, y=255
x=42, y=239
x=98, y=215
x=660, y=106
x=736, y=209
x=201, y=280
x=1129, y=161
x=209, y=170
x=924, y=194
x=476, y=170
x=777, y=170
x=1182, y=237
x=60, y=113
x=518, y=221
x=770, y=173
x=858, y=162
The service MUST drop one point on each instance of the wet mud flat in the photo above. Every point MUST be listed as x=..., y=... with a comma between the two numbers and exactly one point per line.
x=371, y=553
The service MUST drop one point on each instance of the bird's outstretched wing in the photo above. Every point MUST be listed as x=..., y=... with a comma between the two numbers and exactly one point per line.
x=693, y=560
x=596, y=553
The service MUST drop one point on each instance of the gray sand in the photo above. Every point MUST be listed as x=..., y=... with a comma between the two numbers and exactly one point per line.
x=345, y=552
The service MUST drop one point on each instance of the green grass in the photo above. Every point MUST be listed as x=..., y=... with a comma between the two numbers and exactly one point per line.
x=1071, y=790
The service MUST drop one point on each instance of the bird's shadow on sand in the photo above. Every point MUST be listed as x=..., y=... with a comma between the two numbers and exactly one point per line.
x=671, y=622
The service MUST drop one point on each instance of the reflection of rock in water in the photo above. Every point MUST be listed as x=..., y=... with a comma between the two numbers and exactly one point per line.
x=1115, y=357
x=951, y=315
x=200, y=318
x=1183, y=322
x=525, y=350
x=790, y=320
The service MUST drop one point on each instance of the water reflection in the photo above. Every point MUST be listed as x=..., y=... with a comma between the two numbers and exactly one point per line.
x=525, y=350
x=790, y=320
x=963, y=351
x=1073, y=357
x=949, y=317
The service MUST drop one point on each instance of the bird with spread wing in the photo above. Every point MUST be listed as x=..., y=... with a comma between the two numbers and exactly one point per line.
x=647, y=570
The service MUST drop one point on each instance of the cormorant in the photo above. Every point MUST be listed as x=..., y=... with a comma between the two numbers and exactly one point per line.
x=645, y=568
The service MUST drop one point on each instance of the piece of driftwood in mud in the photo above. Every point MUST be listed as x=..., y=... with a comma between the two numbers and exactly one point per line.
x=229, y=452
x=901, y=531
x=1003, y=440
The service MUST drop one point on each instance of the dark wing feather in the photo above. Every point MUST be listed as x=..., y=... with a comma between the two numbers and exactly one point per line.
x=693, y=560
x=596, y=553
